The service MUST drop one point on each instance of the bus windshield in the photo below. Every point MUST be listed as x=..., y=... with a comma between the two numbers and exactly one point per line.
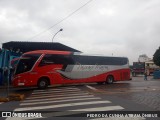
x=26, y=63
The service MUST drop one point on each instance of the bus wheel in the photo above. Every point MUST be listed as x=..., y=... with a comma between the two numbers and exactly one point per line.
x=43, y=83
x=110, y=79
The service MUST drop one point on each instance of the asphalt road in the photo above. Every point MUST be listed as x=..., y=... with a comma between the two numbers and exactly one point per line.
x=73, y=100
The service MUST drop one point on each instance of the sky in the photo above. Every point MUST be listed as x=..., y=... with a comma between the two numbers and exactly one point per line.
x=127, y=28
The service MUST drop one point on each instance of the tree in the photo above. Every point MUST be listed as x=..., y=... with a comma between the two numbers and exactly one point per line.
x=156, y=57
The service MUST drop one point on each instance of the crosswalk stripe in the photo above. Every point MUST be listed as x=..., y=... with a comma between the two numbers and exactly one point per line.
x=54, y=91
x=67, y=100
x=58, y=89
x=61, y=105
x=61, y=98
x=75, y=94
x=101, y=108
x=86, y=110
x=90, y=87
x=45, y=99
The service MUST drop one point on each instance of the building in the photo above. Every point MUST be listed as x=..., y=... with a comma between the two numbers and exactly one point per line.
x=143, y=58
x=144, y=64
x=150, y=67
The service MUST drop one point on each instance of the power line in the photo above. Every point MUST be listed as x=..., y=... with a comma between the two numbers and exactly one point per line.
x=61, y=20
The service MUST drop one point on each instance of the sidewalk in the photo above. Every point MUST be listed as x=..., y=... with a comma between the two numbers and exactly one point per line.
x=141, y=78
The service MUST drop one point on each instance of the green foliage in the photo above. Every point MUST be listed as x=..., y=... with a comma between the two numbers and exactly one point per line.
x=156, y=57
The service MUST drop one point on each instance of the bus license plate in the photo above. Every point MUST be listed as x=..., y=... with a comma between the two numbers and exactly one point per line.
x=20, y=84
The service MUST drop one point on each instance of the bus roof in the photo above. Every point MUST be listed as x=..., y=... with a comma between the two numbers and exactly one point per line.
x=68, y=53
x=49, y=52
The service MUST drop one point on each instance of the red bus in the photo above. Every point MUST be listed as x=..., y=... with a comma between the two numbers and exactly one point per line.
x=46, y=67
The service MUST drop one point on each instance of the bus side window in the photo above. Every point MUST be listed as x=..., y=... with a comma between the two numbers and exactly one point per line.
x=56, y=59
x=47, y=60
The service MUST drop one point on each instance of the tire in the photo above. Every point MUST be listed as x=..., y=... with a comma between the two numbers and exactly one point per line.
x=43, y=83
x=110, y=80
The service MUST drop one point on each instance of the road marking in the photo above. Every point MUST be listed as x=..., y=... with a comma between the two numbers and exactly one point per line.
x=75, y=98
x=86, y=110
x=54, y=93
x=75, y=94
x=1, y=102
x=100, y=108
x=61, y=105
x=58, y=89
x=90, y=87
x=60, y=101
x=61, y=98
